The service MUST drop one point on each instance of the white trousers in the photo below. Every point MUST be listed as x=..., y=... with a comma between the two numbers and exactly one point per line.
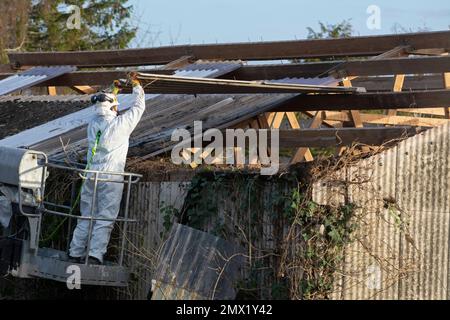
x=106, y=205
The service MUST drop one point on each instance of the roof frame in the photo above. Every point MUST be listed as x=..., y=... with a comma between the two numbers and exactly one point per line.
x=298, y=49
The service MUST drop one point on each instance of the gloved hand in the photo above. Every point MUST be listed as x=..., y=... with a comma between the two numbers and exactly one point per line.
x=133, y=79
x=116, y=87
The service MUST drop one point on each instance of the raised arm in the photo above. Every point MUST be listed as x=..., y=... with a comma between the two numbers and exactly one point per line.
x=128, y=121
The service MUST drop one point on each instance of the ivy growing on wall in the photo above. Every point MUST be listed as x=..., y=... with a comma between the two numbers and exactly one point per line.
x=294, y=245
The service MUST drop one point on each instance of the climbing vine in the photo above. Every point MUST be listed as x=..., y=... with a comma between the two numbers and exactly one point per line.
x=323, y=232
x=294, y=245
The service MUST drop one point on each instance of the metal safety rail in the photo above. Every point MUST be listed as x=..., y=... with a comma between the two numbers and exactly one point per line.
x=128, y=179
x=51, y=263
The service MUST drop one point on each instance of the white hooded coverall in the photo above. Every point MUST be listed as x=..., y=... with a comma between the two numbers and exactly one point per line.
x=110, y=156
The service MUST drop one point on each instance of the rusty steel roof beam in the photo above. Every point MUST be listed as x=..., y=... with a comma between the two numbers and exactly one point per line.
x=279, y=71
x=298, y=49
x=368, y=101
x=303, y=138
x=345, y=68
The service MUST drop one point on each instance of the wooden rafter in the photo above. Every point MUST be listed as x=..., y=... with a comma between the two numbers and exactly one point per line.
x=354, y=114
x=51, y=91
x=340, y=71
x=270, y=116
x=278, y=117
x=425, y=111
x=303, y=152
x=411, y=83
x=447, y=86
x=326, y=123
x=84, y=89
x=386, y=120
x=399, y=80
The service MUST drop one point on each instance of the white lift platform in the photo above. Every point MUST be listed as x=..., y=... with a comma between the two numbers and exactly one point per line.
x=23, y=175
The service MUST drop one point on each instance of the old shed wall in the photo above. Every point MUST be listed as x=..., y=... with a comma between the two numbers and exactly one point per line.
x=401, y=247
x=153, y=202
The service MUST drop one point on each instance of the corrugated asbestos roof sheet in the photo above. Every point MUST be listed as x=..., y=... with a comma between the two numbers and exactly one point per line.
x=20, y=113
x=401, y=249
x=197, y=265
x=210, y=69
x=48, y=130
x=23, y=100
x=32, y=77
x=165, y=113
x=422, y=191
x=324, y=81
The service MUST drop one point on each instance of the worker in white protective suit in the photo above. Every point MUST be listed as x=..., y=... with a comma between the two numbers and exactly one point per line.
x=108, y=135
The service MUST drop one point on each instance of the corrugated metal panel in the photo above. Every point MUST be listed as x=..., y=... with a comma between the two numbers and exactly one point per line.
x=196, y=264
x=143, y=239
x=325, y=81
x=409, y=181
x=267, y=231
x=27, y=113
x=147, y=205
x=366, y=276
x=210, y=69
x=164, y=291
x=331, y=190
x=405, y=211
x=32, y=77
x=423, y=194
x=376, y=237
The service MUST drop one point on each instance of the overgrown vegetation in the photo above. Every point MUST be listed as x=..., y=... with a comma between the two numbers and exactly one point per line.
x=54, y=228
x=324, y=232
x=294, y=245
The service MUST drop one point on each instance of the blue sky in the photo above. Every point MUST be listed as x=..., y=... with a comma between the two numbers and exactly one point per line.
x=165, y=22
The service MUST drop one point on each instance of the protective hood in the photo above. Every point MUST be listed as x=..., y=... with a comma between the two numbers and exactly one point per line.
x=104, y=109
